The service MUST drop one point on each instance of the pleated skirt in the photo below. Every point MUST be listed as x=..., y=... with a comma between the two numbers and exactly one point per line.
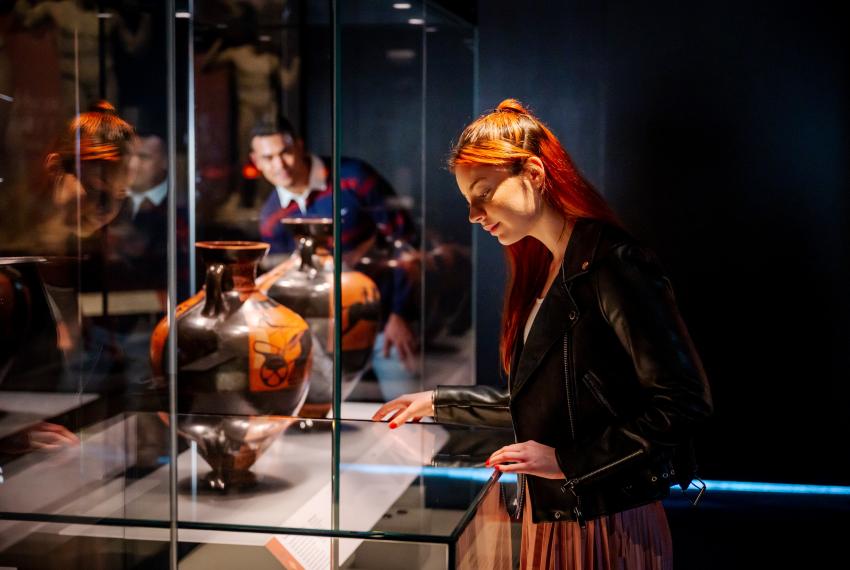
x=636, y=539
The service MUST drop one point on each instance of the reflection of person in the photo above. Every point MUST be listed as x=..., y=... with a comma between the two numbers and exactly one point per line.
x=78, y=42
x=88, y=177
x=88, y=174
x=148, y=173
x=605, y=386
x=43, y=436
x=257, y=71
x=138, y=237
x=303, y=189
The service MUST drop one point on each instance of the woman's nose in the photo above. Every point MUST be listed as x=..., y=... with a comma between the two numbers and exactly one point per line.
x=476, y=214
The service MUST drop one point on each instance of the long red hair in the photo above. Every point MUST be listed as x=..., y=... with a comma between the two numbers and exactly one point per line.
x=506, y=138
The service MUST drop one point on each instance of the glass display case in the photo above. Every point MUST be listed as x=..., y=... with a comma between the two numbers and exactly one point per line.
x=411, y=497
x=228, y=236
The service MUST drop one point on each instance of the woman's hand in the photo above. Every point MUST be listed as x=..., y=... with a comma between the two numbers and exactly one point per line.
x=529, y=458
x=398, y=334
x=45, y=436
x=411, y=407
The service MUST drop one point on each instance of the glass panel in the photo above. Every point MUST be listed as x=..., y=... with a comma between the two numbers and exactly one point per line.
x=57, y=546
x=381, y=104
x=247, y=75
x=43, y=546
x=258, y=551
x=83, y=240
x=406, y=88
x=449, y=331
x=261, y=346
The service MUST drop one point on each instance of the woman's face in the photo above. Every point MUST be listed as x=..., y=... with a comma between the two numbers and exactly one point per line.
x=101, y=190
x=507, y=205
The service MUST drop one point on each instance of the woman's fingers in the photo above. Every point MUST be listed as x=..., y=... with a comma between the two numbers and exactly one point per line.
x=405, y=415
x=392, y=418
x=389, y=407
x=405, y=408
x=513, y=448
x=508, y=456
x=514, y=468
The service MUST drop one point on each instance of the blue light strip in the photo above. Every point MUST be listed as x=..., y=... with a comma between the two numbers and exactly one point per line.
x=460, y=473
x=780, y=488
x=482, y=475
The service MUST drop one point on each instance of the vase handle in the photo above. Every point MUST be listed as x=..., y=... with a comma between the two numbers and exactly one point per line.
x=306, y=250
x=214, y=303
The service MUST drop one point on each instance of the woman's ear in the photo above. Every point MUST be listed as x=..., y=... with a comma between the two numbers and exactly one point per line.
x=53, y=164
x=535, y=171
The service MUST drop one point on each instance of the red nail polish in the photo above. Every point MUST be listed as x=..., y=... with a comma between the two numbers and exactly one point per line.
x=393, y=426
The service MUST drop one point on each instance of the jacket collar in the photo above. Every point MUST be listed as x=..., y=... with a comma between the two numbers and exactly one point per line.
x=581, y=249
x=558, y=311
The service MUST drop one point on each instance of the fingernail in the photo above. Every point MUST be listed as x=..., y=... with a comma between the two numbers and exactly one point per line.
x=498, y=468
x=393, y=426
x=487, y=462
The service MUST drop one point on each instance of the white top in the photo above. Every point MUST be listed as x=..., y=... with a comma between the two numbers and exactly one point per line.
x=530, y=321
x=318, y=182
x=155, y=195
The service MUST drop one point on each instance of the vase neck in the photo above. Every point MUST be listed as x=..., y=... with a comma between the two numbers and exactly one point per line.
x=243, y=275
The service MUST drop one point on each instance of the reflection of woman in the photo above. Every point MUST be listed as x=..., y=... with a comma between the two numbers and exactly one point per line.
x=88, y=177
x=605, y=385
x=87, y=172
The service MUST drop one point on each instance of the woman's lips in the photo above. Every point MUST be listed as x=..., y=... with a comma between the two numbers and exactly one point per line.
x=491, y=228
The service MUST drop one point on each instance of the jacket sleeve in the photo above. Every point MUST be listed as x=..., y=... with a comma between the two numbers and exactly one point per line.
x=472, y=405
x=637, y=300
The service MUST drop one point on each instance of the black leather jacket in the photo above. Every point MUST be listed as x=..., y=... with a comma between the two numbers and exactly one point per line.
x=621, y=408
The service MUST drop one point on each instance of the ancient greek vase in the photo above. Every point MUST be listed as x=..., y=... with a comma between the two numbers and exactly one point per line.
x=304, y=283
x=239, y=353
x=30, y=358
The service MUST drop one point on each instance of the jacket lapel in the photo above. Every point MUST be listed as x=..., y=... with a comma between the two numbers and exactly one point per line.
x=558, y=312
x=549, y=327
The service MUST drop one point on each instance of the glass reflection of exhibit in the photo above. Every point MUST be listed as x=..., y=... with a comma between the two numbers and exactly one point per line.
x=304, y=283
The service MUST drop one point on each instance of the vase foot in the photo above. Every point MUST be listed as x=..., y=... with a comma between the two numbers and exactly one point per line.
x=230, y=481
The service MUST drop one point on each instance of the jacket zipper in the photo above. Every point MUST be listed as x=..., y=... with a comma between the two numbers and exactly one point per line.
x=520, y=482
x=571, y=416
x=567, y=386
x=577, y=508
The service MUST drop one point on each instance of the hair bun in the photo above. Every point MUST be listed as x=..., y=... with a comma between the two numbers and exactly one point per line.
x=512, y=105
x=103, y=106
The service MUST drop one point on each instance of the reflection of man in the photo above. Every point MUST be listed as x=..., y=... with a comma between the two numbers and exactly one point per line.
x=148, y=174
x=139, y=235
x=303, y=189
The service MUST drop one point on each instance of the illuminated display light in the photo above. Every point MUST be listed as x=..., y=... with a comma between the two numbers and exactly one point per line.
x=778, y=488
x=483, y=474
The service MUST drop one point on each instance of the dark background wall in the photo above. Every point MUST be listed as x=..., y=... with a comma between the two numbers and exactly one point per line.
x=719, y=133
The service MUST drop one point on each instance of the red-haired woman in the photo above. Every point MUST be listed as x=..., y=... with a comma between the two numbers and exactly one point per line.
x=88, y=172
x=605, y=387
